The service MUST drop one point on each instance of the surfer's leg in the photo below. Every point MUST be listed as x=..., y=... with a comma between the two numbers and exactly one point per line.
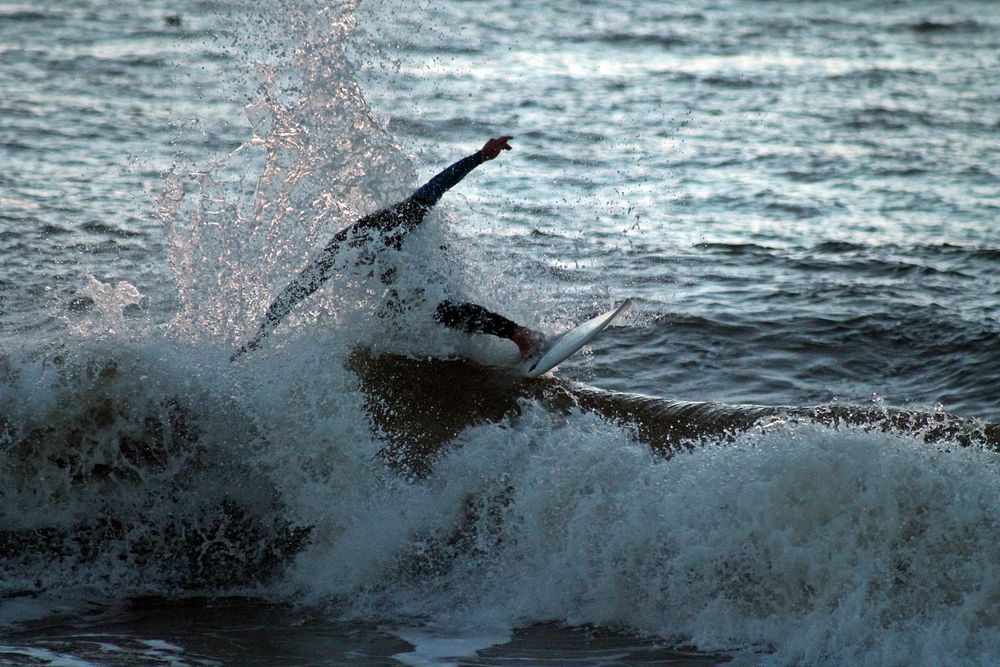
x=473, y=318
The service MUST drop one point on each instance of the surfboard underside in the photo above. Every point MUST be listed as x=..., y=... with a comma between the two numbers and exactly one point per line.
x=570, y=342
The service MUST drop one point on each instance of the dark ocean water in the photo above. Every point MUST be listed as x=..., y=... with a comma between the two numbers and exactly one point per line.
x=785, y=453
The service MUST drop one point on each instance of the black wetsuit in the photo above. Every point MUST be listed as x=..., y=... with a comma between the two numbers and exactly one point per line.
x=390, y=226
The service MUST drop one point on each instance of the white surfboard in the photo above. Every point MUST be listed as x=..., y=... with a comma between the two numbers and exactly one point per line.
x=566, y=345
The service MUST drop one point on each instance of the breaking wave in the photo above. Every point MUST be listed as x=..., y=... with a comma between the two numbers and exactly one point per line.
x=340, y=467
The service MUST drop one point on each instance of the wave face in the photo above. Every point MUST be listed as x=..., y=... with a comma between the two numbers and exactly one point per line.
x=714, y=473
x=803, y=534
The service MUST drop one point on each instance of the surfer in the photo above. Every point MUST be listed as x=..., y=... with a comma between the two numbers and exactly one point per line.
x=389, y=228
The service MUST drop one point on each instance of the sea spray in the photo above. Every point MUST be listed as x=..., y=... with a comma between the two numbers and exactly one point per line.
x=318, y=159
x=105, y=307
x=147, y=463
x=151, y=446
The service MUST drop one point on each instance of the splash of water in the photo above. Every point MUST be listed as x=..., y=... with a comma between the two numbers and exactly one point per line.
x=323, y=158
x=107, y=305
x=153, y=465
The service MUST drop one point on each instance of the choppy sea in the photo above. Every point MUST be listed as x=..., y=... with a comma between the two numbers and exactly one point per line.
x=785, y=454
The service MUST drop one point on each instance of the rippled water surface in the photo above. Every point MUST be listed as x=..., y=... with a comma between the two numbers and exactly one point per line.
x=801, y=199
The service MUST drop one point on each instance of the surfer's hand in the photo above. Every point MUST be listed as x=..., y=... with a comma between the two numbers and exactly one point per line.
x=528, y=341
x=493, y=147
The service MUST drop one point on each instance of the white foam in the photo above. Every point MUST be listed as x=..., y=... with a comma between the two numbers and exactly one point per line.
x=822, y=546
x=817, y=544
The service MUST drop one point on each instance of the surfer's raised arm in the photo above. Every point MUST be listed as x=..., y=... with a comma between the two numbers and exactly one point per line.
x=431, y=192
x=392, y=225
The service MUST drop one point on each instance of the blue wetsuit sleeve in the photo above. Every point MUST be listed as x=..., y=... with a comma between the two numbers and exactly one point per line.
x=431, y=192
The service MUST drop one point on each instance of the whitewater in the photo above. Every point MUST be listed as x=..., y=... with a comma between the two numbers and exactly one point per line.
x=785, y=454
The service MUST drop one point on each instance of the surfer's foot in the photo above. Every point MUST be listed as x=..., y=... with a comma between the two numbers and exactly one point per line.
x=528, y=341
